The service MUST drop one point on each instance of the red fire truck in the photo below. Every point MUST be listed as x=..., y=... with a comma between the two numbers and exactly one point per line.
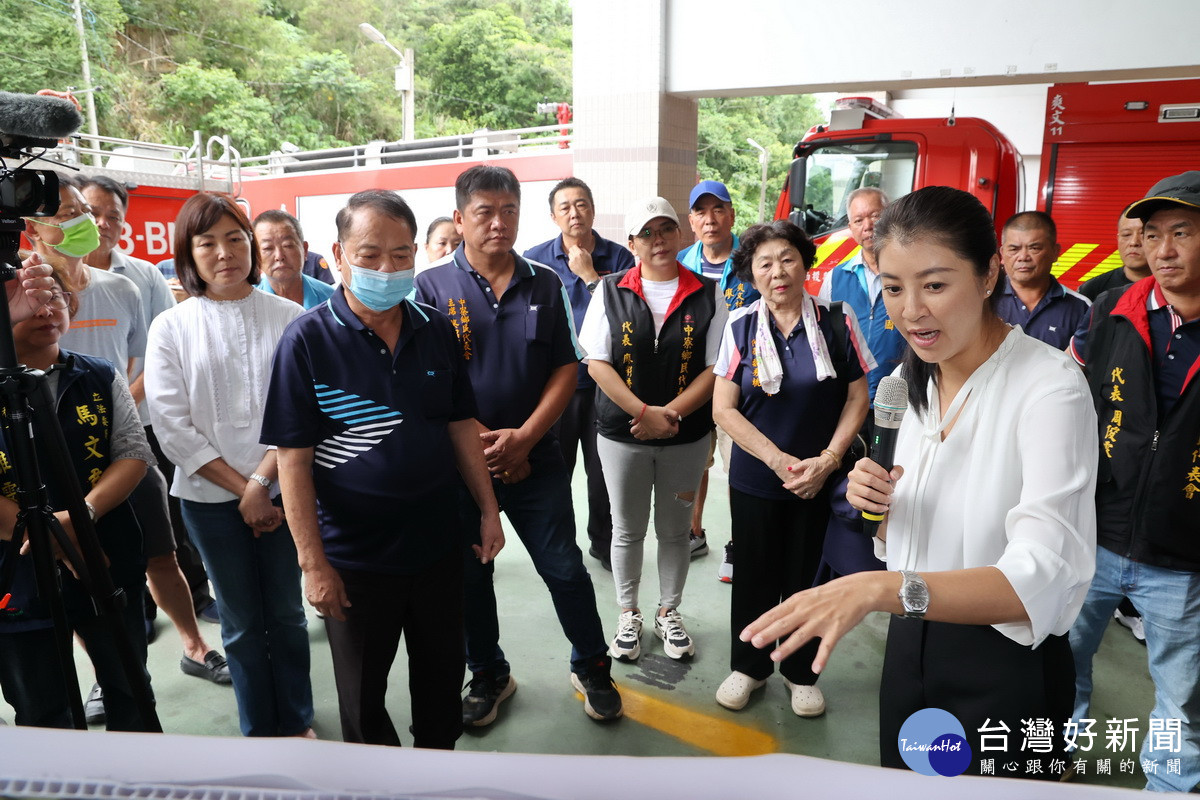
x=1104, y=146
x=314, y=185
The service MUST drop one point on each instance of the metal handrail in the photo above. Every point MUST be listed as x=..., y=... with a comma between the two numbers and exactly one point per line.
x=476, y=139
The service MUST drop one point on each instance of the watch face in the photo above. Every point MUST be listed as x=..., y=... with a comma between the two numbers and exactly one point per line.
x=915, y=595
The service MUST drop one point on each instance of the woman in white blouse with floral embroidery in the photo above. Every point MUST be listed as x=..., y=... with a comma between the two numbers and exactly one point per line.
x=208, y=362
x=990, y=533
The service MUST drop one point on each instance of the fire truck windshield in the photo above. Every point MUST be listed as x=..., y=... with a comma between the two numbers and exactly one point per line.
x=831, y=171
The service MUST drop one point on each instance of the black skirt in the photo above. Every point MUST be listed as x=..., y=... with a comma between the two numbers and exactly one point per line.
x=986, y=680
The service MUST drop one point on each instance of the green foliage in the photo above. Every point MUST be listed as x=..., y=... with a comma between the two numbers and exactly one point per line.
x=269, y=71
x=776, y=123
x=216, y=102
x=492, y=71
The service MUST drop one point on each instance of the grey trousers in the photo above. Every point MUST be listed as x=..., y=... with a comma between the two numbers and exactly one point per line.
x=632, y=472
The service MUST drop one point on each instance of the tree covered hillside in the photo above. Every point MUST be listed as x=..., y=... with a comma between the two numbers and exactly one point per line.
x=270, y=71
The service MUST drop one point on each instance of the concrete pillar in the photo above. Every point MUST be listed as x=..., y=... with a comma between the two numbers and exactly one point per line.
x=632, y=139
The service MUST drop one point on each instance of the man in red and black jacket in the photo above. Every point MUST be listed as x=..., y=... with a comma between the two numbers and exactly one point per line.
x=1142, y=355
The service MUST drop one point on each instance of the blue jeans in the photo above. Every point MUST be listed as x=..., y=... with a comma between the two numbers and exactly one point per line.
x=1169, y=602
x=541, y=512
x=257, y=582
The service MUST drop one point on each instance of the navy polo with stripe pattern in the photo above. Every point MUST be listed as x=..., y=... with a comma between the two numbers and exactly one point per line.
x=383, y=464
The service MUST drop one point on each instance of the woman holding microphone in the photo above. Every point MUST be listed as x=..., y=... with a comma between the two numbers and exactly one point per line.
x=990, y=531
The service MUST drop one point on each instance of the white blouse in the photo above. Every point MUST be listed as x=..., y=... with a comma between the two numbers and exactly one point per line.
x=208, y=363
x=1012, y=485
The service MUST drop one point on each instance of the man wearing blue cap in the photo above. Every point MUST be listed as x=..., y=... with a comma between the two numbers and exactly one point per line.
x=711, y=216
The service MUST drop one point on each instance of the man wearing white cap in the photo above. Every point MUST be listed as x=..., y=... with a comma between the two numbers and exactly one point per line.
x=651, y=334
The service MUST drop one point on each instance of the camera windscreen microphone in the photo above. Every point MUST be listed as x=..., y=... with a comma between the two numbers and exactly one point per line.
x=34, y=117
x=891, y=401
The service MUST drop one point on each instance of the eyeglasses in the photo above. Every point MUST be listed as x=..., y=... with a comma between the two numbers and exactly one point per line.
x=58, y=301
x=647, y=234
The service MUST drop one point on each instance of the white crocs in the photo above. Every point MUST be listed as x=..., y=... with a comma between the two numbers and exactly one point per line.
x=807, y=701
x=735, y=690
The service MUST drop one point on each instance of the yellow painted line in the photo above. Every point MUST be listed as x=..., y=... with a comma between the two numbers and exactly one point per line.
x=1074, y=254
x=1107, y=265
x=705, y=731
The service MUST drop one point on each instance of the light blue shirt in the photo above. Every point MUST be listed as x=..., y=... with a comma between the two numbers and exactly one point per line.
x=315, y=291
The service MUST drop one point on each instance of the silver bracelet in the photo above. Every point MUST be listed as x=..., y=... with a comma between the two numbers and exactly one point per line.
x=262, y=481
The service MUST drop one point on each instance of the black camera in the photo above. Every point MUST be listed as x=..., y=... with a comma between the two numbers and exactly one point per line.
x=26, y=193
x=29, y=123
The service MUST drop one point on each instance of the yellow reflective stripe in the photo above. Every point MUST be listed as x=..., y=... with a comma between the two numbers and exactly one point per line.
x=828, y=247
x=711, y=733
x=1073, y=255
x=1111, y=262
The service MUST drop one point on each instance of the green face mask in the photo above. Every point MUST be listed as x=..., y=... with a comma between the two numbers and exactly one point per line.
x=80, y=235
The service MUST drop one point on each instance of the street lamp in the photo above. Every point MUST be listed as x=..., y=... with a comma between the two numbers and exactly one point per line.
x=763, y=158
x=404, y=75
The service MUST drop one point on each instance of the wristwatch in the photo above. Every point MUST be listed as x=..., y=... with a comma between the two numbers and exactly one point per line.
x=91, y=509
x=262, y=481
x=914, y=595
x=591, y=287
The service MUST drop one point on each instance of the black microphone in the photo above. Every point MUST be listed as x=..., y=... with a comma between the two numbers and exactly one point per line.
x=891, y=401
x=35, y=117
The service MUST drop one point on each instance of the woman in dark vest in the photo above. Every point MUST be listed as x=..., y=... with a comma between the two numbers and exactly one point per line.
x=651, y=334
x=791, y=393
x=109, y=453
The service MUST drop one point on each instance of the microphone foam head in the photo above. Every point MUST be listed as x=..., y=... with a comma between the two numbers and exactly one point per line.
x=891, y=401
x=892, y=393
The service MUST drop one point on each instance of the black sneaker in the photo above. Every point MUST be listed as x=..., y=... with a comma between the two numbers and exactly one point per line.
x=602, y=556
x=93, y=707
x=601, y=700
x=483, y=699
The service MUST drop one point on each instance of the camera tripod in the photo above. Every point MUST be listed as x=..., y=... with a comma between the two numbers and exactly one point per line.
x=28, y=412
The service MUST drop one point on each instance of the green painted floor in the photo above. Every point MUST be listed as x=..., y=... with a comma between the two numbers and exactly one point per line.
x=671, y=707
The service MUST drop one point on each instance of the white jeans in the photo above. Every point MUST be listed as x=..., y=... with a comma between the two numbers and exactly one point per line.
x=631, y=471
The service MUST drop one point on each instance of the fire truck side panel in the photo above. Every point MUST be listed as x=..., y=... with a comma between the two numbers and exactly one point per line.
x=1104, y=148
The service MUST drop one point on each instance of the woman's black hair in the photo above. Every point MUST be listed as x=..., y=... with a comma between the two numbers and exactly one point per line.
x=953, y=219
x=199, y=213
x=757, y=235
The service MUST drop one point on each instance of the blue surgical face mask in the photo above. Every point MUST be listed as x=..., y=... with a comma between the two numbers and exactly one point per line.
x=380, y=291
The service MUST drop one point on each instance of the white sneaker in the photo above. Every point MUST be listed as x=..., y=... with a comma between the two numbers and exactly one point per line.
x=627, y=644
x=735, y=690
x=1135, y=624
x=807, y=701
x=725, y=570
x=669, y=628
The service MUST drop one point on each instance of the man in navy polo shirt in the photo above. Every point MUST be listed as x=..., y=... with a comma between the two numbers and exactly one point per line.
x=373, y=413
x=516, y=335
x=1032, y=298
x=581, y=257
